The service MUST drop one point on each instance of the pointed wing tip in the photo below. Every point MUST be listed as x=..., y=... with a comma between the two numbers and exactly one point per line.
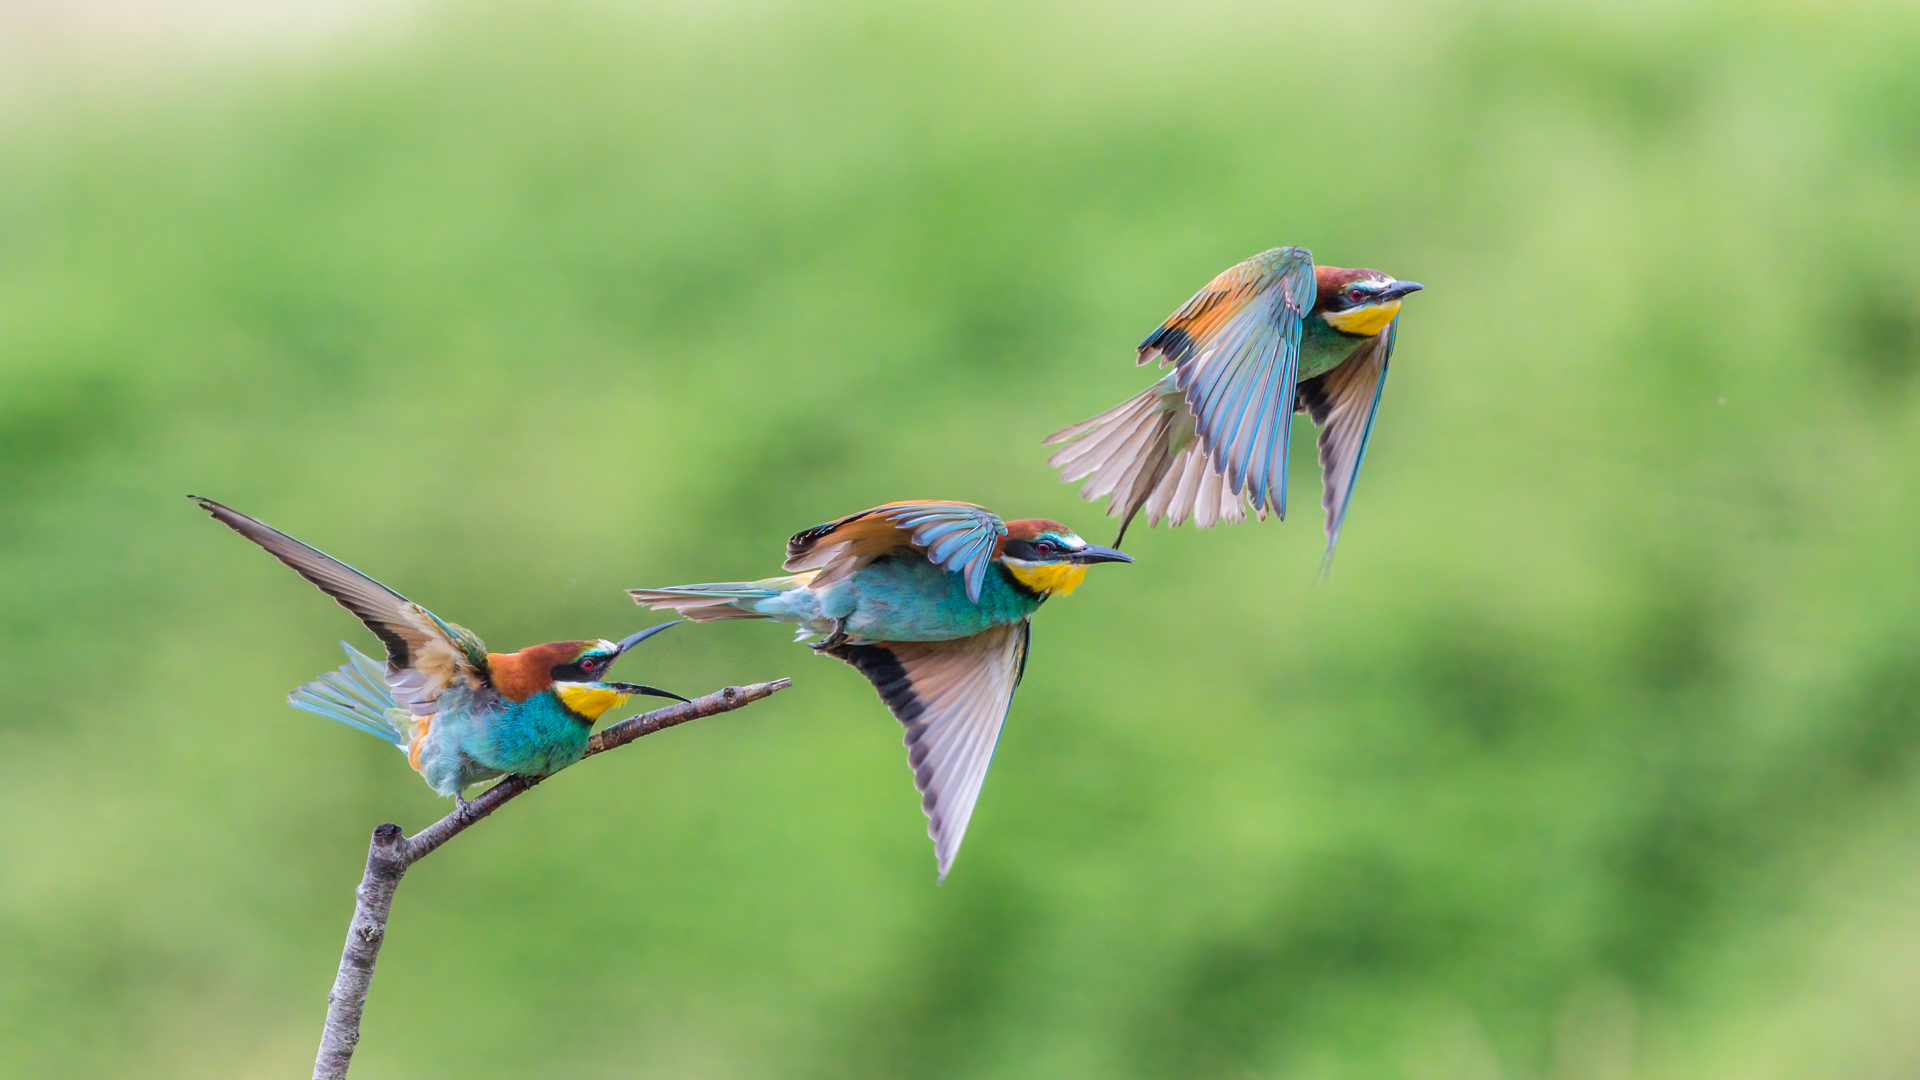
x=1326, y=560
x=228, y=516
x=943, y=853
x=952, y=699
x=222, y=513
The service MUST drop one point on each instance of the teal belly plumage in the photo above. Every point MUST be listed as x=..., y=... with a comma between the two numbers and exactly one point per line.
x=903, y=597
x=479, y=736
x=536, y=737
x=896, y=597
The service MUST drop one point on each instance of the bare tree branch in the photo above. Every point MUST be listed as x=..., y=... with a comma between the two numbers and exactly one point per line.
x=392, y=852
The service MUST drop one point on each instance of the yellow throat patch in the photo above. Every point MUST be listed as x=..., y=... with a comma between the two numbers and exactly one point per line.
x=1366, y=321
x=587, y=700
x=1059, y=579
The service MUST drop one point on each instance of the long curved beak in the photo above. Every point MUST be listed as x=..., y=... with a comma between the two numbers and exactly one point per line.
x=642, y=688
x=1094, y=553
x=1399, y=289
x=631, y=640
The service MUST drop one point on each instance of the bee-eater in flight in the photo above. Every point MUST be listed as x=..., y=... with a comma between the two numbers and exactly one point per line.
x=1270, y=337
x=460, y=713
x=932, y=602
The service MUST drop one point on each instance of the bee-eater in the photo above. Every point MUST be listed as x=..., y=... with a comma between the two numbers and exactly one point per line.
x=460, y=713
x=1270, y=337
x=932, y=602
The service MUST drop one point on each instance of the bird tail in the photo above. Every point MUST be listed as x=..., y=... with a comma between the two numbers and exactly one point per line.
x=357, y=696
x=718, y=600
x=1143, y=453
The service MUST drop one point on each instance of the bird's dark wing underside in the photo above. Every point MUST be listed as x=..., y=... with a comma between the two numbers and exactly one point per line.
x=952, y=697
x=1342, y=403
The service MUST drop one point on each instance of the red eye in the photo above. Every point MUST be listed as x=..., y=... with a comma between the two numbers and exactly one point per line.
x=1045, y=547
x=588, y=665
x=1355, y=294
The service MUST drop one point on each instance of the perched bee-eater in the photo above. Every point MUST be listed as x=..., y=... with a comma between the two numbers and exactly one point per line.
x=1270, y=337
x=460, y=713
x=932, y=602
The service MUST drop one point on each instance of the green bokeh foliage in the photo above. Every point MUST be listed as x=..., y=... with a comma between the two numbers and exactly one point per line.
x=1597, y=756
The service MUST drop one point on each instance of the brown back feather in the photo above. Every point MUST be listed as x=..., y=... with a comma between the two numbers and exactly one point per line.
x=865, y=535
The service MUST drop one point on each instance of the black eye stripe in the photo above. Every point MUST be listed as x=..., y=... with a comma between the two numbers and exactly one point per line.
x=1360, y=295
x=1040, y=549
x=579, y=670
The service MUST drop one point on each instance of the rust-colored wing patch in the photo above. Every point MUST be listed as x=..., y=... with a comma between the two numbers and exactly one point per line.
x=955, y=536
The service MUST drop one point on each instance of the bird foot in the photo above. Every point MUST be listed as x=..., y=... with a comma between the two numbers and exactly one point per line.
x=833, y=640
x=460, y=803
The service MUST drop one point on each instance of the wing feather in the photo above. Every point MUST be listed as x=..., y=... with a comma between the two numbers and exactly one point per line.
x=1135, y=454
x=425, y=655
x=1243, y=386
x=1235, y=348
x=952, y=697
x=960, y=537
x=1342, y=403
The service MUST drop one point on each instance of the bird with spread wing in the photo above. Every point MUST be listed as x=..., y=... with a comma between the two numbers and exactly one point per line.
x=460, y=713
x=932, y=602
x=1270, y=337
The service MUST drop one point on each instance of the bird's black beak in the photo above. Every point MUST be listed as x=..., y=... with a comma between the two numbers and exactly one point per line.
x=1094, y=553
x=629, y=642
x=1399, y=289
x=642, y=688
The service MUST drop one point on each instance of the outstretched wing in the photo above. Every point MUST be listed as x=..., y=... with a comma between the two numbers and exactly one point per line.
x=1235, y=347
x=1143, y=453
x=952, y=697
x=955, y=536
x=1342, y=403
x=424, y=654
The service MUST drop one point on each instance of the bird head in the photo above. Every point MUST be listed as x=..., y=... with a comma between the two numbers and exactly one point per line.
x=1050, y=558
x=575, y=671
x=1358, y=302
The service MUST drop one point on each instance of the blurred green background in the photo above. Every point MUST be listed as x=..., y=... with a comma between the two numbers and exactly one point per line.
x=1597, y=757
